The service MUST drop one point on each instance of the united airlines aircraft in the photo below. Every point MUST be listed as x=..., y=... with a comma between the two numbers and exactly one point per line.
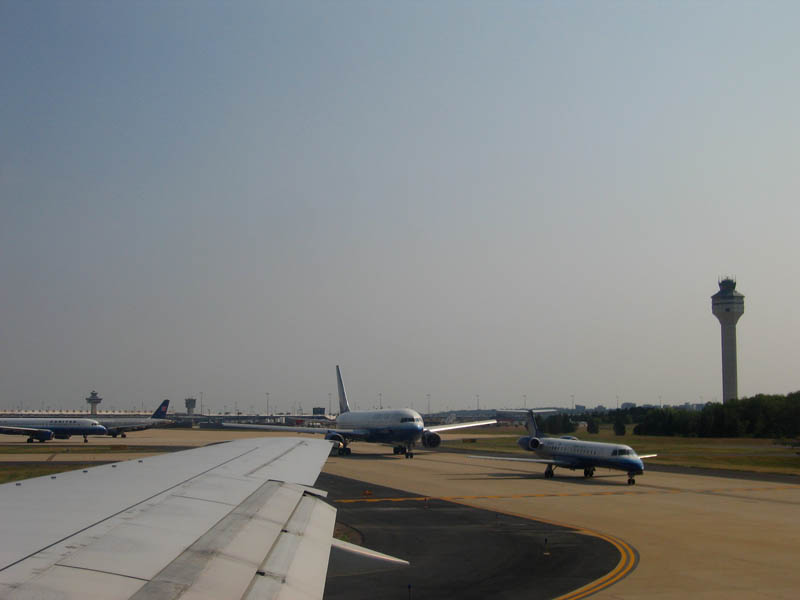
x=44, y=429
x=571, y=453
x=402, y=427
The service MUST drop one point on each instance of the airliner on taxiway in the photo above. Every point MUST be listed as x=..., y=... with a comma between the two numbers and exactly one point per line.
x=571, y=453
x=402, y=427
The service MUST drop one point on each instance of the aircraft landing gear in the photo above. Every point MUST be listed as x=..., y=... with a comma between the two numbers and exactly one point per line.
x=344, y=451
x=398, y=450
x=85, y=439
x=123, y=434
x=30, y=440
x=548, y=472
x=631, y=480
x=588, y=472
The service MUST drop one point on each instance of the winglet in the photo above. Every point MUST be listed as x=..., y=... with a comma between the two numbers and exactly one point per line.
x=343, y=405
x=161, y=411
x=349, y=559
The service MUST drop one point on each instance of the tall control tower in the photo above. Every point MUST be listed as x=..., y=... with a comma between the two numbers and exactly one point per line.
x=728, y=305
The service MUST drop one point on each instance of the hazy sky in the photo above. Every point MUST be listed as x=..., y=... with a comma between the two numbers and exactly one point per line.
x=453, y=198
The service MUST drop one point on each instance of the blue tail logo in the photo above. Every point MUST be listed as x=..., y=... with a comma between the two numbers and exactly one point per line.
x=161, y=411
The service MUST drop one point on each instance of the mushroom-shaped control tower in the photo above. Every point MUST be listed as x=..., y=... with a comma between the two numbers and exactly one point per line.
x=728, y=305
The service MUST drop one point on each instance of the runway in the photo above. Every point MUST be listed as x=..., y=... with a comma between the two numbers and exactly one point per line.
x=696, y=535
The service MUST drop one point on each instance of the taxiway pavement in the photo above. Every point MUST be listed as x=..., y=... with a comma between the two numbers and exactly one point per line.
x=696, y=535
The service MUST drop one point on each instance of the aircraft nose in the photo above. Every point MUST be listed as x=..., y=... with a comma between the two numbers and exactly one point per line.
x=101, y=429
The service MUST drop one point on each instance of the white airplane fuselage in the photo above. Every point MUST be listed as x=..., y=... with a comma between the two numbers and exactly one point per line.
x=585, y=455
x=61, y=428
x=387, y=425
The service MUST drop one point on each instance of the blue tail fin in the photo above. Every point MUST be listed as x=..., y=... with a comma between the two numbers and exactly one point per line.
x=161, y=411
x=343, y=405
x=533, y=429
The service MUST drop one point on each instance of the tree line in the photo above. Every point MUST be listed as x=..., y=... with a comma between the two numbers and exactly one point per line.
x=764, y=416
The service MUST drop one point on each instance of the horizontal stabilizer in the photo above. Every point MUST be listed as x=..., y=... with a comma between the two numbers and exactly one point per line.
x=349, y=559
x=512, y=412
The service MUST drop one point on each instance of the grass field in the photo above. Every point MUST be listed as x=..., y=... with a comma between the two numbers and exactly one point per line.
x=17, y=471
x=86, y=449
x=743, y=454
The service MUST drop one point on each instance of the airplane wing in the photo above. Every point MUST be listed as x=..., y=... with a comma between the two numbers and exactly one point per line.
x=438, y=428
x=235, y=520
x=648, y=455
x=11, y=430
x=546, y=461
x=347, y=433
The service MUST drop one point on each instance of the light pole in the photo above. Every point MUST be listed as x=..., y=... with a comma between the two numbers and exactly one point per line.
x=525, y=401
x=380, y=400
x=267, y=394
x=329, y=402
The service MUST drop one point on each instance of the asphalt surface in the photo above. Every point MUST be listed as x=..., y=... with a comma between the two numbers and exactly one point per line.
x=458, y=551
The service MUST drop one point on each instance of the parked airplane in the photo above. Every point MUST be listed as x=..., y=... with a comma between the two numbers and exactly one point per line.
x=118, y=426
x=232, y=520
x=402, y=427
x=571, y=453
x=44, y=429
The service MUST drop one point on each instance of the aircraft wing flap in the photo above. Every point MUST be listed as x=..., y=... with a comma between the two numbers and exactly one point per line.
x=305, y=544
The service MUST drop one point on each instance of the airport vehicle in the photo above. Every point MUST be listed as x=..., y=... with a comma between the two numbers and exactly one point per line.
x=43, y=429
x=402, y=427
x=119, y=425
x=571, y=453
x=230, y=520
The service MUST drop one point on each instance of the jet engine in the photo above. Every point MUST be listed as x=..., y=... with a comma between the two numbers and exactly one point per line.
x=529, y=443
x=336, y=438
x=431, y=440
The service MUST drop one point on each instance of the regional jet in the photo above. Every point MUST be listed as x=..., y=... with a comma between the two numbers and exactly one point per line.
x=236, y=520
x=571, y=453
x=402, y=427
x=44, y=429
x=118, y=426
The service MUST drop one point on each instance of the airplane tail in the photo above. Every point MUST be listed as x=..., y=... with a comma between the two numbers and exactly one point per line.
x=533, y=428
x=161, y=411
x=343, y=405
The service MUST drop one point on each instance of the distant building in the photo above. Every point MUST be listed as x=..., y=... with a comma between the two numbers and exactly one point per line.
x=628, y=405
x=580, y=408
x=318, y=411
